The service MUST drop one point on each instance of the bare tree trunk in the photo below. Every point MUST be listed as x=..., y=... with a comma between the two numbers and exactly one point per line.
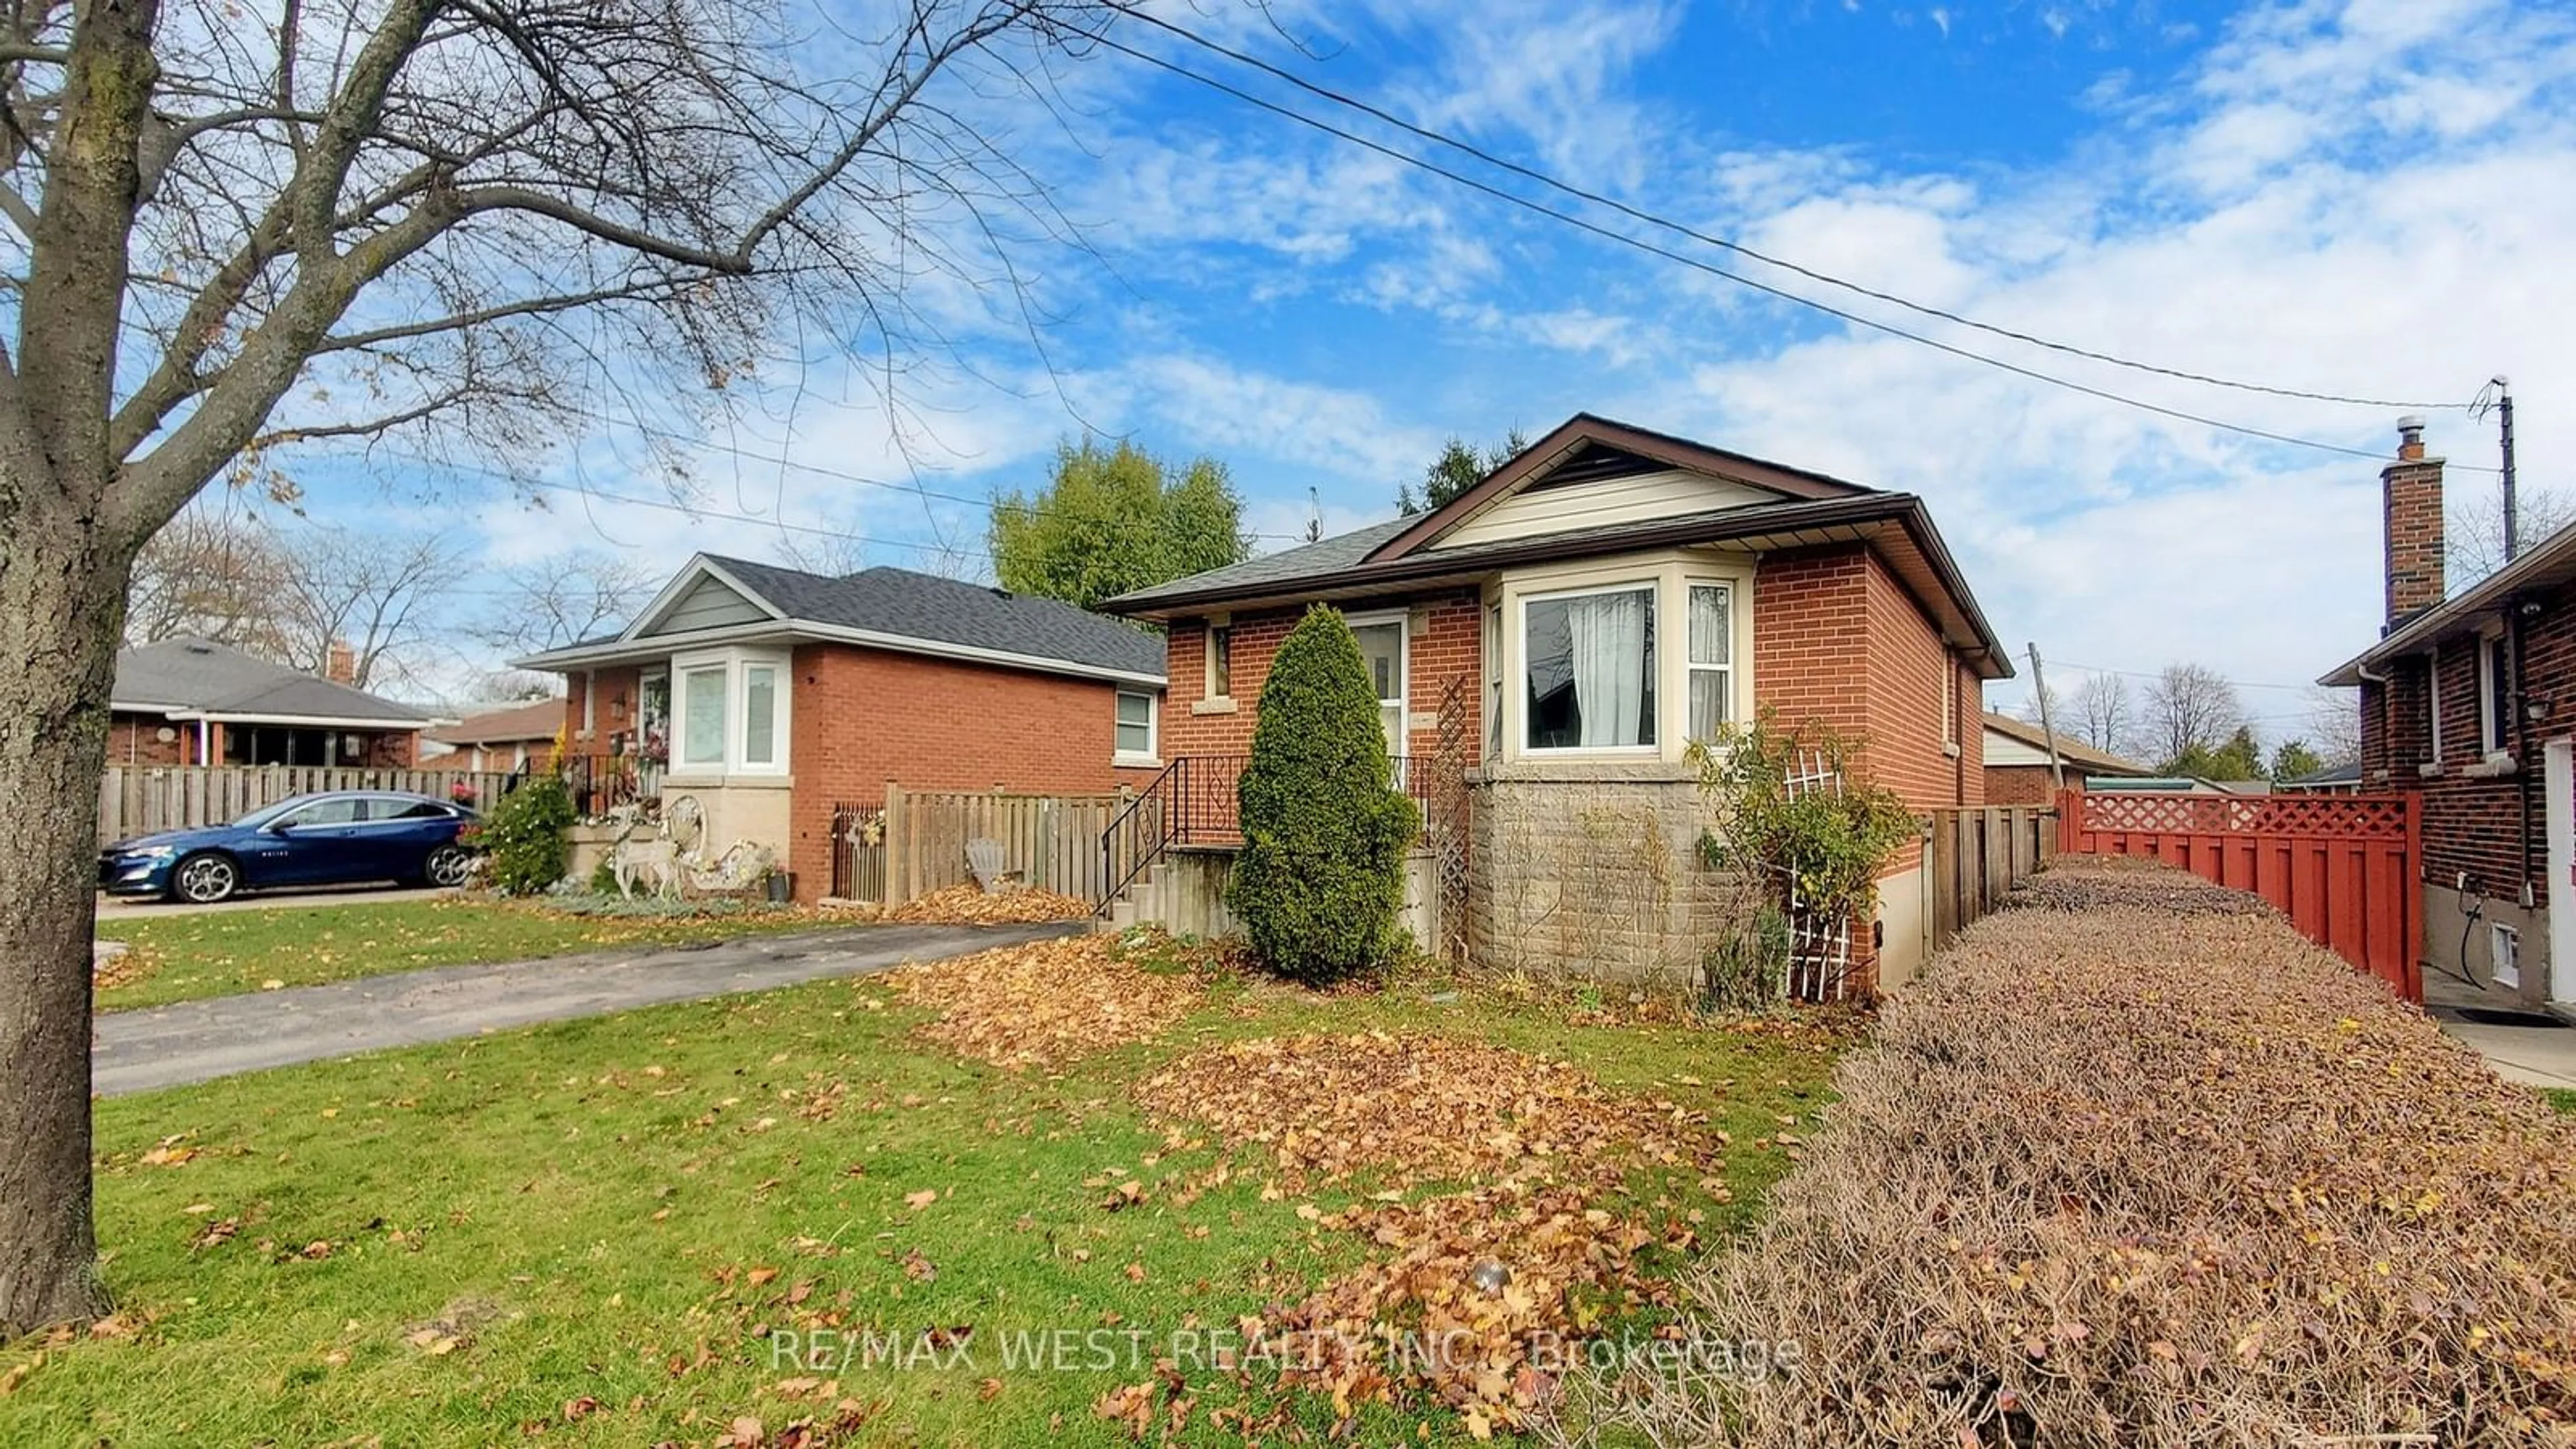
x=61, y=611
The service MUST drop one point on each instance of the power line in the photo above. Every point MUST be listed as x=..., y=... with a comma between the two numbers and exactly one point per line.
x=2148, y=674
x=1596, y=198
x=1639, y=244
x=742, y=454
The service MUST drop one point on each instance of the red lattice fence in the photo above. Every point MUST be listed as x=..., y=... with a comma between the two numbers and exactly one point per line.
x=2342, y=868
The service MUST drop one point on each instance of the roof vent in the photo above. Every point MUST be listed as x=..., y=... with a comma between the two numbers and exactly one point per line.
x=1001, y=593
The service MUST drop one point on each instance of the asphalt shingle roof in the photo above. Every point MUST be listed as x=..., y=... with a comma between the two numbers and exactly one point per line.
x=536, y=720
x=1307, y=562
x=193, y=674
x=948, y=611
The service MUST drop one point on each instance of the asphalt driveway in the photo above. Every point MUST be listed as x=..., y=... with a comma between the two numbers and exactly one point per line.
x=192, y=1041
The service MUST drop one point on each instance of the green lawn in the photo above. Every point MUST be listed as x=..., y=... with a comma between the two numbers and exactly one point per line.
x=185, y=956
x=590, y=1230
x=2561, y=1098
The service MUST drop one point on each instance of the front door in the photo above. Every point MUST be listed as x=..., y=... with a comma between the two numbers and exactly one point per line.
x=2558, y=780
x=1382, y=650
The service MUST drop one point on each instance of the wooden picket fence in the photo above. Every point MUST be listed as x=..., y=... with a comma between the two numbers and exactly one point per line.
x=1979, y=854
x=142, y=799
x=1050, y=842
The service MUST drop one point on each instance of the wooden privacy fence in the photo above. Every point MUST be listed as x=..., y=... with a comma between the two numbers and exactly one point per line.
x=141, y=799
x=1049, y=842
x=2341, y=867
x=1976, y=855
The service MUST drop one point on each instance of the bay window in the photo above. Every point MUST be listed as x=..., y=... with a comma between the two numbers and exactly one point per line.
x=1588, y=667
x=702, y=716
x=1712, y=654
x=760, y=715
x=1619, y=662
x=731, y=715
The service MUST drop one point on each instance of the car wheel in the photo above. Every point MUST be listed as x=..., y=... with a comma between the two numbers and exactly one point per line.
x=449, y=865
x=205, y=879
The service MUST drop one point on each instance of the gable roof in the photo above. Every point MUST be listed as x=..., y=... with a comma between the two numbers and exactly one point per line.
x=536, y=720
x=1588, y=446
x=2547, y=564
x=188, y=677
x=888, y=608
x=2075, y=753
x=1366, y=561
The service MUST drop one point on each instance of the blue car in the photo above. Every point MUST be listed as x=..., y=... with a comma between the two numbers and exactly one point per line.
x=337, y=838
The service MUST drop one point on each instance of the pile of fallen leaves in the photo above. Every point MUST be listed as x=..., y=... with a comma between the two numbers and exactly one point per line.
x=1481, y=1289
x=971, y=905
x=1045, y=1003
x=2157, y=1173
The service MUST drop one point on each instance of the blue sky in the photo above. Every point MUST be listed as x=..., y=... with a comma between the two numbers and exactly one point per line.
x=2365, y=198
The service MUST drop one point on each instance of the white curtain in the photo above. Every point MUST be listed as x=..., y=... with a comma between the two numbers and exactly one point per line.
x=1609, y=637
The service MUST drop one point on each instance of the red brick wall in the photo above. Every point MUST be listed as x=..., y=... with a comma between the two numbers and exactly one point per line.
x=861, y=717
x=134, y=739
x=2023, y=784
x=393, y=750
x=1448, y=647
x=1810, y=662
x=618, y=694
x=2473, y=823
x=1837, y=640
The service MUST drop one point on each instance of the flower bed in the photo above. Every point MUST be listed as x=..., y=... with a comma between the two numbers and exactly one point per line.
x=2142, y=1165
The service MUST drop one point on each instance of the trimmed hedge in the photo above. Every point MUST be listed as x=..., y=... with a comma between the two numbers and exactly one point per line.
x=1320, y=881
x=2137, y=1164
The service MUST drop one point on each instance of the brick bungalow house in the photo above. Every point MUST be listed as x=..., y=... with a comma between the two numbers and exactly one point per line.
x=192, y=702
x=1559, y=632
x=2469, y=701
x=2017, y=768
x=772, y=695
x=520, y=736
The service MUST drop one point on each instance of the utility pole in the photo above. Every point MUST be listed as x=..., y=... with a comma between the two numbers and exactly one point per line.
x=2047, y=728
x=1314, y=516
x=2512, y=519
x=2501, y=403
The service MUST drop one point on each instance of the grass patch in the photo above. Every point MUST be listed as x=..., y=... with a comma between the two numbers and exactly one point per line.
x=2560, y=1098
x=599, y=1228
x=192, y=955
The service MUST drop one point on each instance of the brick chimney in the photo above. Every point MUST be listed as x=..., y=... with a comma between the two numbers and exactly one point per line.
x=2411, y=494
x=340, y=665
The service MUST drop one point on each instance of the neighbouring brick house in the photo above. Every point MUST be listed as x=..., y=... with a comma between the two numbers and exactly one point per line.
x=515, y=737
x=1560, y=632
x=773, y=695
x=2469, y=701
x=2018, y=770
x=192, y=702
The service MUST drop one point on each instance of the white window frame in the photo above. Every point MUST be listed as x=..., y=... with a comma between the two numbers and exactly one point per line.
x=1489, y=624
x=1220, y=655
x=735, y=666
x=1733, y=712
x=777, y=760
x=1153, y=728
x=589, y=702
x=1401, y=619
x=1659, y=628
x=2495, y=727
